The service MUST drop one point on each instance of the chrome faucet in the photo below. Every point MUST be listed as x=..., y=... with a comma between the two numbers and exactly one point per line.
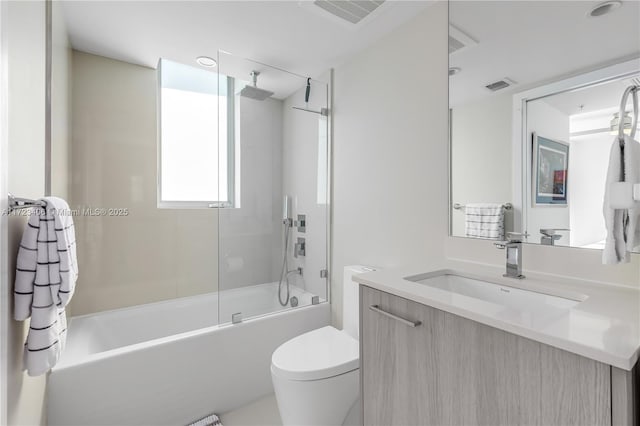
x=513, y=248
x=550, y=236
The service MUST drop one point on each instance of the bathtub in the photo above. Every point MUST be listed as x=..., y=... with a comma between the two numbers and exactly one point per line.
x=170, y=363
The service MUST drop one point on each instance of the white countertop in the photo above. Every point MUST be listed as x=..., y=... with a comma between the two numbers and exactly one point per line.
x=604, y=327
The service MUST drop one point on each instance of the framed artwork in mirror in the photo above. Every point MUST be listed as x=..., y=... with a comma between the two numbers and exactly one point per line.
x=550, y=171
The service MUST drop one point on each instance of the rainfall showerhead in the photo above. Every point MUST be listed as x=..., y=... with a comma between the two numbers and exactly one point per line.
x=254, y=92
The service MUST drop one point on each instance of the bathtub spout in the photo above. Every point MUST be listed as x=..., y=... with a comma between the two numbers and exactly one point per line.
x=298, y=271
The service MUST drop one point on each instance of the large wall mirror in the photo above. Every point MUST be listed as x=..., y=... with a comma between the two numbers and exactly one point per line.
x=534, y=96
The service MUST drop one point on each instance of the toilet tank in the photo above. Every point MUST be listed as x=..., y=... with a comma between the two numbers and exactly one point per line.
x=351, y=299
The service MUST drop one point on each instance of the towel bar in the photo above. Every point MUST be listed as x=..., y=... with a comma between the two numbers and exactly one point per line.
x=16, y=203
x=458, y=206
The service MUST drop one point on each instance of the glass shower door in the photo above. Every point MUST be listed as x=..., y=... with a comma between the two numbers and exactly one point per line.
x=273, y=247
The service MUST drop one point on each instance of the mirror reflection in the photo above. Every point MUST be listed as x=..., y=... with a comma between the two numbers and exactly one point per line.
x=534, y=110
x=567, y=160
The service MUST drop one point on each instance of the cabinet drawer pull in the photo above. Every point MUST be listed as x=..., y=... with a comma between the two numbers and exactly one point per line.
x=376, y=308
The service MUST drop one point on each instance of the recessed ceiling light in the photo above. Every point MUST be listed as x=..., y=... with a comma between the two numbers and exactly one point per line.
x=454, y=71
x=603, y=8
x=206, y=61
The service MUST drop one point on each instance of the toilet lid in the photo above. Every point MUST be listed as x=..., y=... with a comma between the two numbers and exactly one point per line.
x=318, y=354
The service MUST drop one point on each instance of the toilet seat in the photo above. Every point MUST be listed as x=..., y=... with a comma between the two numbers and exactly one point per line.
x=318, y=354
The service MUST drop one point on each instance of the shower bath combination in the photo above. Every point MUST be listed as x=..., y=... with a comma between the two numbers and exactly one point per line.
x=227, y=285
x=252, y=91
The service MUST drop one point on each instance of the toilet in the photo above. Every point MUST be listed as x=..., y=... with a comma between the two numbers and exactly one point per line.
x=316, y=376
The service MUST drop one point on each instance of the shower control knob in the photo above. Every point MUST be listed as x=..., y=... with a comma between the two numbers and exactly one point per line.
x=299, y=248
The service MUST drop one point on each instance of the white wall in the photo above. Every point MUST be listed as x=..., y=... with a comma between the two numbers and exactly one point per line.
x=481, y=151
x=5, y=292
x=302, y=172
x=548, y=122
x=390, y=150
x=26, y=105
x=588, y=163
x=61, y=79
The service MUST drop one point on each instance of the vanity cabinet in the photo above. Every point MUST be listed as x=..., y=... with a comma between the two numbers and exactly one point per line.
x=449, y=370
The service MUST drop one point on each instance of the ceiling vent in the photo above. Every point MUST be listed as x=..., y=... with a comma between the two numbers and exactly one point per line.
x=352, y=11
x=459, y=40
x=500, y=84
x=454, y=45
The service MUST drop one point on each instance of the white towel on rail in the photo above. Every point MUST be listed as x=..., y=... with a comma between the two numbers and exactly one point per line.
x=46, y=274
x=484, y=220
x=623, y=232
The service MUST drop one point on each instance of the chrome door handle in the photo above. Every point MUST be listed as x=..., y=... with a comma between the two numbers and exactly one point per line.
x=376, y=308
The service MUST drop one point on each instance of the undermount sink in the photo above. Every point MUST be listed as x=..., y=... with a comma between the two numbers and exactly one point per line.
x=510, y=301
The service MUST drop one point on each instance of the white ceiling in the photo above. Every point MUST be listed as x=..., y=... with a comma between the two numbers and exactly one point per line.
x=293, y=35
x=536, y=41
x=593, y=98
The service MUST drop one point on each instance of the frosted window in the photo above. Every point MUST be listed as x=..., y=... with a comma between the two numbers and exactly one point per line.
x=194, y=141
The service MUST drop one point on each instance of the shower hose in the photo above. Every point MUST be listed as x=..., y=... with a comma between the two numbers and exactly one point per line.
x=284, y=272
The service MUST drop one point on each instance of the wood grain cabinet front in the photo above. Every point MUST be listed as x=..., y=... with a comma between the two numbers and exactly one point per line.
x=423, y=366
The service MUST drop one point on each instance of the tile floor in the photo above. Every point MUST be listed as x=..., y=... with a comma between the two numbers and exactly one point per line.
x=263, y=412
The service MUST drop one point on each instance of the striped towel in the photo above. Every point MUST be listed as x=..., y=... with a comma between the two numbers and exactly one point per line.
x=46, y=274
x=210, y=420
x=484, y=220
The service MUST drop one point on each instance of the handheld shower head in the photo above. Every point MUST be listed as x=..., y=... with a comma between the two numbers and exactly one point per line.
x=254, y=92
